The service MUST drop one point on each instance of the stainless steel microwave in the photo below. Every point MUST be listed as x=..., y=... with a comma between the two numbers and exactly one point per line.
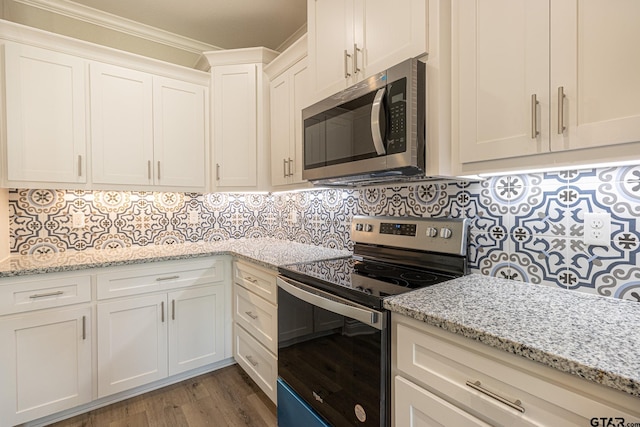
x=371, y=132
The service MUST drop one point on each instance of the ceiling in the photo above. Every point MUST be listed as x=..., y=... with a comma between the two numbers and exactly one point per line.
x=227, y=24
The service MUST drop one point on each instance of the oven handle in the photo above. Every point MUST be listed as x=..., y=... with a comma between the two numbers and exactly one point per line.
x=331, y=302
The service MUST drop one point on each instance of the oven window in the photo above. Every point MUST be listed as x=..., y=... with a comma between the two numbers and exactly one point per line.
x=333, y=362
x=340, y=135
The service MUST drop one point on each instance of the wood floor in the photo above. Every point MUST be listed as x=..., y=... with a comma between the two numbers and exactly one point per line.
x=226, y=397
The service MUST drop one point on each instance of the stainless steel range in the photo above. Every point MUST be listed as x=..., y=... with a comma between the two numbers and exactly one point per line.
x=334, y=340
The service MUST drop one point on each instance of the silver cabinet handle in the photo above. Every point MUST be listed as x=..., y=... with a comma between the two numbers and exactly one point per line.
x=250, y=359
x=158, y=170
x=534, y=116
x=84, y=327
x=517, y=405
x=284, y=168
x=250, y=314
x=290, y=162
x=375, y=122
x=356, y=70
x=79, y=165
x=162, y=279
x=149, y=169
x=346, y=67
x=162, y=311
x=173, y=309
x=49, y=294
x=217, y=171
x=561, y=96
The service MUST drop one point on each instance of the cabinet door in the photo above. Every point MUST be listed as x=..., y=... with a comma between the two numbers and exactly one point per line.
x=121, y=125
x=235, y=126
x=389, y=33
x=596, y=60
x=417, y=407
x=179, y=133
x=331, y=42
x=132, y=343
x=301, y=96
x=45, y=105
x=45, y=363
x=196, y=328
x=281, y=123
x=503, y=60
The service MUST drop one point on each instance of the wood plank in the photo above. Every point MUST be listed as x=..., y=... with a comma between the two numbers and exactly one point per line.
x=223, y=398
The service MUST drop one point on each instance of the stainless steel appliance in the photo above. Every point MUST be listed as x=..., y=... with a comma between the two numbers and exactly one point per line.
x=371, y=132
x=333, y=331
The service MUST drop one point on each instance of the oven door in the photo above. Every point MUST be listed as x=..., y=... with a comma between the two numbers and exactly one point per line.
x=334, y=355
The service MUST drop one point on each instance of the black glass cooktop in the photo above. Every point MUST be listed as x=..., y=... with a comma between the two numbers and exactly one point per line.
x=364, y=281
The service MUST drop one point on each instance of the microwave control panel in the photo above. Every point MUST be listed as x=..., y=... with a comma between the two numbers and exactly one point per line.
x=397, y=104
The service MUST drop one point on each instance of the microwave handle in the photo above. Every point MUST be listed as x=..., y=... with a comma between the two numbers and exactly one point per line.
x=375, y=122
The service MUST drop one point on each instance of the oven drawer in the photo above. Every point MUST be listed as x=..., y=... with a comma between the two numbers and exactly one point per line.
x=498, y=387
x=26, y=295
x=256, y=360
x=259, y=281
x=257, y=316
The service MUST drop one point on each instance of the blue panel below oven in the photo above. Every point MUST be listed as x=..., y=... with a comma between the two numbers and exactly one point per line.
x=293, y=411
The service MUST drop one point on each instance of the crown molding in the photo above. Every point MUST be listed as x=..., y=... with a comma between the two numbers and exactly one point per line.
x=117, y=23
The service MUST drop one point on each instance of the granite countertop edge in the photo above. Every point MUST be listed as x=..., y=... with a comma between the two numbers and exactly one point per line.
x=260, y=251
x=531, y=351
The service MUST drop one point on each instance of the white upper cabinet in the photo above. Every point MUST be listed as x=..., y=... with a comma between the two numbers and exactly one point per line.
x=45, y=116
x=121, y=125
x=158, y=122
x=179, y=133
x=504, y=64
x=83, y=116
x=235, y=132
x=240, y=108
x=290, y=91
x=354, y=39
x=536, y=77
x=595, y=59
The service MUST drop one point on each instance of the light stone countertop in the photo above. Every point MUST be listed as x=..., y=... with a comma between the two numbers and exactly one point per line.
x=591, y=336
x=269, y=253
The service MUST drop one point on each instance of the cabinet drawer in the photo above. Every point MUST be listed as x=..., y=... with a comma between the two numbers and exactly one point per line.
x=256, y=360
x=162, y=276
x=257, y=316
x=415, y=406
x=475, y=378
x=27, y=295
x=257, y=280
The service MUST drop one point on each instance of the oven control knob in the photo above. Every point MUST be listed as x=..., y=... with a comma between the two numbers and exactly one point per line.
x=445, y=233
x=358, y=227
x=432, y=232
x=368, y=227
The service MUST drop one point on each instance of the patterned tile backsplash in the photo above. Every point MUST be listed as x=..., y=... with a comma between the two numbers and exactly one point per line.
x=524, y=227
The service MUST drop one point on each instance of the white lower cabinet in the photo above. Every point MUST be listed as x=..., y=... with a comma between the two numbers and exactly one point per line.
x=146, y=338
x=441, y=378
x=255, y=327
x=45, y=363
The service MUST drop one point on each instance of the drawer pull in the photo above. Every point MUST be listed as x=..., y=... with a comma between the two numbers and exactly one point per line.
x=49, y=294
x=162, y=279
x=251, y=279
x=84, y=328
x=517, y=405
x=250, y=314
x=253, y=362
